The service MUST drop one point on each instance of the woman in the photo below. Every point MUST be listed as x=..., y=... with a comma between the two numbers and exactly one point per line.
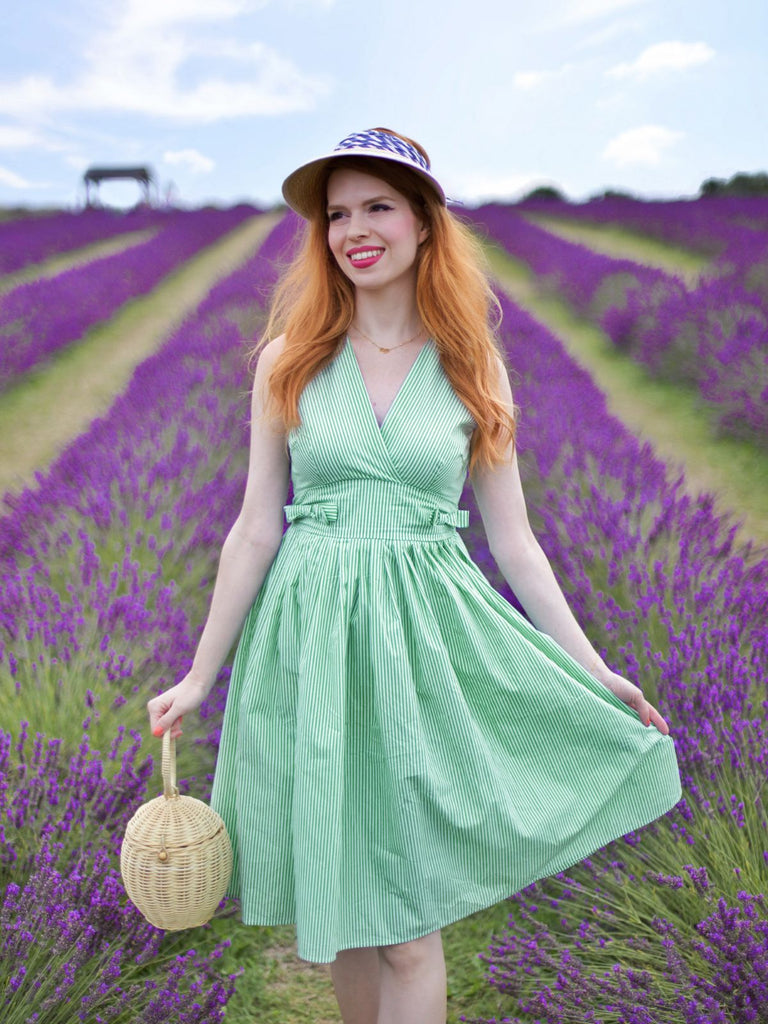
x=400, y=747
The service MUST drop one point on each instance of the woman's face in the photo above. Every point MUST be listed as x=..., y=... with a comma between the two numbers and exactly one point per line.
x=373, y=233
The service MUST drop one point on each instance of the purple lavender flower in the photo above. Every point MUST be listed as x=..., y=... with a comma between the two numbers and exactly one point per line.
x=42, y=316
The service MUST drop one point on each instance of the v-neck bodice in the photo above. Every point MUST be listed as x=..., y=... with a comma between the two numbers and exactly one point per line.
x=403, y=384
x=422, y=443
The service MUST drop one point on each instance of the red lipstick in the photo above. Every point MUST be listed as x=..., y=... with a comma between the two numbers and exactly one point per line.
x=364, y=255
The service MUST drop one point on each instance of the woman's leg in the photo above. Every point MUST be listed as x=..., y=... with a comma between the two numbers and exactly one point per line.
x=413, y=982
x=355, y=974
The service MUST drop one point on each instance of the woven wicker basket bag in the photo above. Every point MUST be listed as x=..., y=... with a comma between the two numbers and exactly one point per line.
x=176, y=858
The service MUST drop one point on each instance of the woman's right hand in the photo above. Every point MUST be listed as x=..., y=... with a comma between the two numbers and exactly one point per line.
x=167, y=710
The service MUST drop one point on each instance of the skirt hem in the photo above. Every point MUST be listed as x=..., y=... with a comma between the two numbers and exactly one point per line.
x=451, y=916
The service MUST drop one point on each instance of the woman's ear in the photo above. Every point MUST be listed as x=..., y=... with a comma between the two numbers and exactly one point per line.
x=423, y=233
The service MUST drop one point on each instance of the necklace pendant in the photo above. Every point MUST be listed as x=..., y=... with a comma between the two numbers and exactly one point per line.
x=384, y=350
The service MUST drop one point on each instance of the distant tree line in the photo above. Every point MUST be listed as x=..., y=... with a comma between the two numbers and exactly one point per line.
x=740, y=184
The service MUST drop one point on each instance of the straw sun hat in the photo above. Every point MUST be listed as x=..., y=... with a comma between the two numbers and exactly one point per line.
x=300, y=188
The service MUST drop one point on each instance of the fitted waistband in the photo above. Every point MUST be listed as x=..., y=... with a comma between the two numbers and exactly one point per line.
x=375, y=508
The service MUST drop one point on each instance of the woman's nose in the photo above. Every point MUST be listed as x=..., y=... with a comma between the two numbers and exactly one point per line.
x=358, y=226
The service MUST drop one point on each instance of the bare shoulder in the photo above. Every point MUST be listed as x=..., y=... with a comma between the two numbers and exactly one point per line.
x=262, y=410
x=267, y=358
x=500, y=365
x=502, y=379
x=269, y=355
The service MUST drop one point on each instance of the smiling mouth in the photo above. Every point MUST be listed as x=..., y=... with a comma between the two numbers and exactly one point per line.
x=364, y=255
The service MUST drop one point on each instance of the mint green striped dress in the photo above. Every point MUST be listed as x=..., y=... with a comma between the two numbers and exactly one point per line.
x=400, y=747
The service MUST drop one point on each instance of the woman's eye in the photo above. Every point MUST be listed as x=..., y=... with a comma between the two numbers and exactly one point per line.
x=335, y=215
x=380, y=206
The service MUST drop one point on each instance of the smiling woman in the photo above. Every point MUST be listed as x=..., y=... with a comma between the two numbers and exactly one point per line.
x=366, y=231
x=400, y=747
x=317, y=301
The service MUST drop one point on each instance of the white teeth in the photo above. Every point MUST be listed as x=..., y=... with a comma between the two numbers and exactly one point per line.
x=367, y=255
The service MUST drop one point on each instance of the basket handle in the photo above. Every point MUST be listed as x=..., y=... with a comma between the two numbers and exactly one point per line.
x=170, y=788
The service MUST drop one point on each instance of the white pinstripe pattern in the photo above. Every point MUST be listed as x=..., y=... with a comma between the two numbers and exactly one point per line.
x=400, y=747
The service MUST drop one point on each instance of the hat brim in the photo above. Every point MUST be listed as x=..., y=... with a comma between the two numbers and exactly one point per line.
x=300, y=188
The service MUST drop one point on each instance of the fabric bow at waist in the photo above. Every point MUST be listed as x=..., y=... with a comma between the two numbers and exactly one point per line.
x=386, y=512
x=442, y=517
x=322, y=511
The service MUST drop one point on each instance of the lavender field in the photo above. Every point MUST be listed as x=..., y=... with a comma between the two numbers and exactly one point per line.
x=107, y=561
x=39, y=317
x=713, y=336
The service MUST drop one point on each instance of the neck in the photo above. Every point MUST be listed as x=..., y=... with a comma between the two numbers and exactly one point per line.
x=384, y=320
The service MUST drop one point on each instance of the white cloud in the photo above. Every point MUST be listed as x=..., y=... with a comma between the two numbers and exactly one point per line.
x=574, y=12
x=16, y=137
x=530, y=79
x=151, y=14
x=135, y=65
x=78, y=162
x=527, y=80
x=480, y=187
x=603, y=35
x=643, y=145
x=190, y=158
x=667, y=56
x=13, y=180
x=25, y=137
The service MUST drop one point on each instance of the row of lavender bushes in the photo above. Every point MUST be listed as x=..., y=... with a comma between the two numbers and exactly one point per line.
x=28, y=240
x=668, y=924
x=713, y=336
x=715, y=226
x=106, y=564
x=716, y=336
x=655, y=577
x=40, y=317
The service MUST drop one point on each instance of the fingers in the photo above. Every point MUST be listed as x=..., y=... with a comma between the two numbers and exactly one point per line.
x=647, y=712
x=163, y=716
x=157, y=707
x=166, y=722
x=167, y=710
x=659, y=722
x=649, y=715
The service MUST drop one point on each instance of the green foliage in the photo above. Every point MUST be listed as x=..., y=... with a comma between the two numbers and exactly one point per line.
x=286, y=988
x=741, y=184
x=612, y=193
x=545, y=192
x=618, y=907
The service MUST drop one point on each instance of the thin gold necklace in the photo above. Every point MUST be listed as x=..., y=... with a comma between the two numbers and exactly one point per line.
x=393, y=347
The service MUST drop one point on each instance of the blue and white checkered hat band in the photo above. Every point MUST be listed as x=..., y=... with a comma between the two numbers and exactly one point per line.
x=300, y=189
x=385, y=143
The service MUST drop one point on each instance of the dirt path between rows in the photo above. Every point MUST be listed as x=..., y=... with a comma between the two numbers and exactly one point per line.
x=58, y=264
x=674, y=420
x=623, y=243
x=53, y=404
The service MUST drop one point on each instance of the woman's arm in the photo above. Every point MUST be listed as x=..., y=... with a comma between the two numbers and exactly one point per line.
x=525, y=567
x=246, y=555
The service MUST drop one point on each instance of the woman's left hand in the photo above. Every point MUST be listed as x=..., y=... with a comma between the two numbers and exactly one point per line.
x=633, y=696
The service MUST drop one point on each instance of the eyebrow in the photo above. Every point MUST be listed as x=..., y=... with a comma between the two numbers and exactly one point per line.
x=365, y=202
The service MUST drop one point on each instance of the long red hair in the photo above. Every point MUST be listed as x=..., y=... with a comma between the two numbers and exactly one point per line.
x=314, y=303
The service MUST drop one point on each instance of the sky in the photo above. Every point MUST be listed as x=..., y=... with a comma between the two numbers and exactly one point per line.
x=223, y=98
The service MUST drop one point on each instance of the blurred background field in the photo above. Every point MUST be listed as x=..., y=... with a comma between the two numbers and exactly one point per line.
x=636, y=336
